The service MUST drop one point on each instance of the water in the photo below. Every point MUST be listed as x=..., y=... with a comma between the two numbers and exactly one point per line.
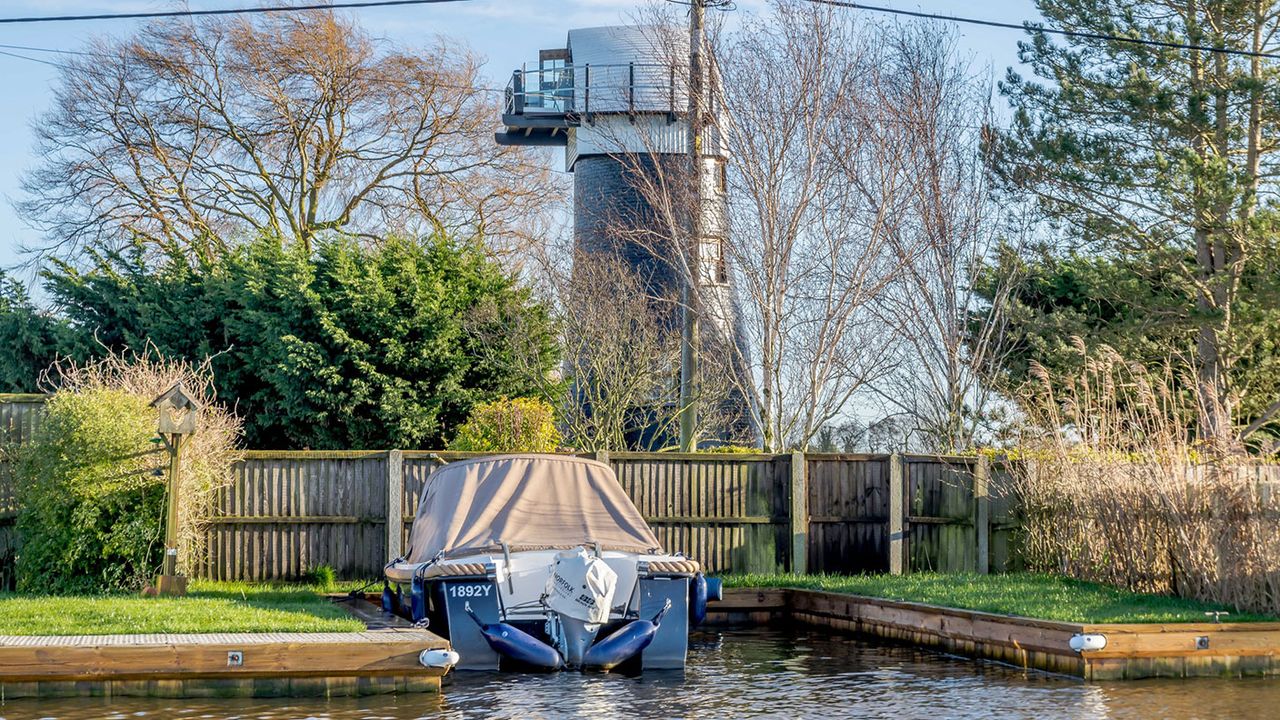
x=789, y=674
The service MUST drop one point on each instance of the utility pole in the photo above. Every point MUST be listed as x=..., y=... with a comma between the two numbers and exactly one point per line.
x=689, y=340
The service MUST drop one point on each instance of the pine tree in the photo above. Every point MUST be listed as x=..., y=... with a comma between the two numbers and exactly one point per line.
x=1161, y=152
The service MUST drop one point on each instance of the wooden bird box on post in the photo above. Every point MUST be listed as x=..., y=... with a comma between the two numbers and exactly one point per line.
x=178, y=412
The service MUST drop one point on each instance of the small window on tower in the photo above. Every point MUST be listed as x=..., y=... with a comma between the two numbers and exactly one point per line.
x=724, y=178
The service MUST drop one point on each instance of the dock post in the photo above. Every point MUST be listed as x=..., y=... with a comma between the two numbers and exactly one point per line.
x=982, y=513
x=897, y=517
x=799, y=514
x=395, y=503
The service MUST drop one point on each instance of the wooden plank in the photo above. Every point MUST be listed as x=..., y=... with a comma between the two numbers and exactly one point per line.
x=394, y=498
x=897, y=517
x=799, y=506
x=750, y=599
x=294, y=520
x=358, y=654
x=712, y=520
x=982, y=515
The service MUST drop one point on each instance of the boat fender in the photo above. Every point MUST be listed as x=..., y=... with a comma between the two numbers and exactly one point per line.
x=698, y=591
x=417, y=600
x=625, y=643
x=513, y=643
x=715, y=589
x=438, y=658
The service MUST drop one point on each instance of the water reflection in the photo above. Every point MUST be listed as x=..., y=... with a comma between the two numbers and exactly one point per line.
x=742, y=673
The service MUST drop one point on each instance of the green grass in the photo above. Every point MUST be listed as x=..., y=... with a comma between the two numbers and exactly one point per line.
x=209, y=607
x=1047, y=597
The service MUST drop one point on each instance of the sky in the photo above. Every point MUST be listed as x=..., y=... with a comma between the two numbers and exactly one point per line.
x=505, y=32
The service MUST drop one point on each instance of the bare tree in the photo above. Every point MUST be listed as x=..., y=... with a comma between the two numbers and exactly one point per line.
x=945, y=336
x=620, y=358
x=814, y=190
x=190, y=134
x=817, y=191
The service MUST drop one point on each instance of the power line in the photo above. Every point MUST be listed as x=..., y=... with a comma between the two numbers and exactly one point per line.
x=367, y=75
x=25, y=57
x=1030, y=27
x=224, y=11
x=43, y=50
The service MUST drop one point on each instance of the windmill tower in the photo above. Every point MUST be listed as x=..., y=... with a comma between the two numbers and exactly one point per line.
x=616, y=99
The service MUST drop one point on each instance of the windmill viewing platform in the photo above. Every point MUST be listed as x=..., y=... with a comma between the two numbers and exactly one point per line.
x=541, y=104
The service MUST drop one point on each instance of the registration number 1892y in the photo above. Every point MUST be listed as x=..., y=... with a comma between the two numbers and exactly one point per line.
x=473, y=590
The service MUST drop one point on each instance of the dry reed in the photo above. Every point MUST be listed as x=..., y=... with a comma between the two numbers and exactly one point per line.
x=1115, y=489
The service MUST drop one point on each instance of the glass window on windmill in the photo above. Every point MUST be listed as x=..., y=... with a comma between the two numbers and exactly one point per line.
x=555, y=80
x=178, y=410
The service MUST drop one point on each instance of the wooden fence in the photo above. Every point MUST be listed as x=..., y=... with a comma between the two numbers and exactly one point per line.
x=282, y=514
x=285, y=513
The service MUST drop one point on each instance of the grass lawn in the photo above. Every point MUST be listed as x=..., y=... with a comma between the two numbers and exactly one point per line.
x=1047, y=597
x=209, y=607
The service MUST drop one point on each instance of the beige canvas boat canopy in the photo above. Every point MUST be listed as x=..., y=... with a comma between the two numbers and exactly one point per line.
x=528, y=502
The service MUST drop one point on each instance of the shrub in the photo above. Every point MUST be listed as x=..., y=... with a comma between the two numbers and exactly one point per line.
x=729, y=450
x=519, y=425
x=323, y=577
x=90, y=503
x=91, y=483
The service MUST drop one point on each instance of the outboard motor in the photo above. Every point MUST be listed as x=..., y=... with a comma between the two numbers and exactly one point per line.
x=579, y=594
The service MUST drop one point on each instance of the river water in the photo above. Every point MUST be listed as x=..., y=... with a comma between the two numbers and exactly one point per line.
x=736, y=673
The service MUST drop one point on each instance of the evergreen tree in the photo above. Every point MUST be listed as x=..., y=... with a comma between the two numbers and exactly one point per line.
x=351, y=346
x=1161, y=155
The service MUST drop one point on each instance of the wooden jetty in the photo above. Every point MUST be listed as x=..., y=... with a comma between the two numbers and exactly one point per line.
x=382, y=659
x=1132, y=651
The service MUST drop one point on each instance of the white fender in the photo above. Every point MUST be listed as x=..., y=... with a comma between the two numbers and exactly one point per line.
x=1080, y=642
x=438, y=658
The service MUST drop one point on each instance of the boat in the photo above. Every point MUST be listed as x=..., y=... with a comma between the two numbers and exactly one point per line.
x=542, y=563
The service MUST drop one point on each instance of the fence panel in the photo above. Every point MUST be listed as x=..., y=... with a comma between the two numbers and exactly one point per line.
x=1006, y=520
x=848, y=513
x=284, y=514
x=728, y=512
x=941, y=512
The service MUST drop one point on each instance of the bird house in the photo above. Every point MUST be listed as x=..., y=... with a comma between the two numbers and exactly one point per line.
x=178, y=411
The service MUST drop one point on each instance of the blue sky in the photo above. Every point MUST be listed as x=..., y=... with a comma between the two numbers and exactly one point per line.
x=506, y=32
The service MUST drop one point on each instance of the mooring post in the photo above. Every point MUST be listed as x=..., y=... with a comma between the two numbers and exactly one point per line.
x=982, y=512
x=395, y=503
x=799, y=514
x=897, y=517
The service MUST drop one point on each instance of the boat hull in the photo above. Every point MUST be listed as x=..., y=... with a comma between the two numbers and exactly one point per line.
x=446, y=605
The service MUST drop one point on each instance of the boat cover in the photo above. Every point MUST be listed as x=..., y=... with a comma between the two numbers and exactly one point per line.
x=529, y=502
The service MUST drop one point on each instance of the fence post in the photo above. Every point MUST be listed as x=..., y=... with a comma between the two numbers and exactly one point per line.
x=799, y=514
x=603, y=456
x=982, y=512
x=897, y=517
x=395, y=503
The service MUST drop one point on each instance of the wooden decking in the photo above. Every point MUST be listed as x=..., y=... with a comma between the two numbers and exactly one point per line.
x=381, y=659
x=1132, y=651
